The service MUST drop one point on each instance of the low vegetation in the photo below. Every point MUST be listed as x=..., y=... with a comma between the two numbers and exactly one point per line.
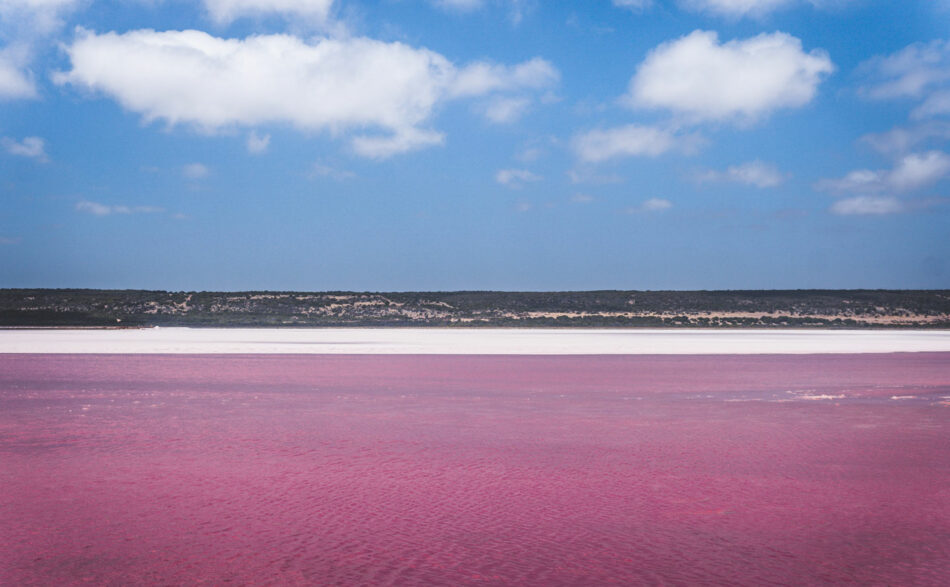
x=703, y=309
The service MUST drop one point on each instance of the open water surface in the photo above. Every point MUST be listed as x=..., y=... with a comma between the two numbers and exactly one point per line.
x=474, y=470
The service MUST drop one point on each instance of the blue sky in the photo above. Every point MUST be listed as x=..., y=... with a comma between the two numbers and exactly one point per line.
x=474, y=144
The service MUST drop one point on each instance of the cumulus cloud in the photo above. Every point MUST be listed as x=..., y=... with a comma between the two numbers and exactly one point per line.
x=736, y=8
x=225, y=11
x=515, y=177
x=916, y=171
x=590, y=175
x=753, y=173
x=459, y=5
x=482, y=78
x=322, y=170
x=912, y=172
x=257, y=144
x=192, y=77
x=910, y=72
x=701, y=79
x=516, y=8
x=195, y=171
x=15, y=82
x=35, y=17
x=33, y=147
x=22, y=24
x=630, y=140
x=633, y=4
x=650, y=205
x=656, y=204
x=97, y=209
x=503, y=110
x=530, y=154
x=936, y=104
x=731, y=8
x=900, y=140
x=918, y=72
x=884, y=191
x=386, y=92
x=410, y=139
x=867, y=206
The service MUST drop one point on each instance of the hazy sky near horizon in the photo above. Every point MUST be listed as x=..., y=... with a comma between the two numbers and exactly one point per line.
x=474, y=144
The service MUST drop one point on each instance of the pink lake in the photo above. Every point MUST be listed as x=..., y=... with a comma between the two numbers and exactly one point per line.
x=475, y=470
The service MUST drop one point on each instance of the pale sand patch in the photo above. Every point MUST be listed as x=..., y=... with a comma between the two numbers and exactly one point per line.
x=496, y=341
x=881, y=320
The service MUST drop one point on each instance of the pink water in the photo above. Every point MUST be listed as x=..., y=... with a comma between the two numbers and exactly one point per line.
x=475, y=470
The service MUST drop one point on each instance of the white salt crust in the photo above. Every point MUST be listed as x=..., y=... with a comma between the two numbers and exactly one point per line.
x=469, y=341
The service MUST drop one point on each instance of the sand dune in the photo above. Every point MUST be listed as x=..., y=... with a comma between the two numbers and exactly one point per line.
x=470, y=341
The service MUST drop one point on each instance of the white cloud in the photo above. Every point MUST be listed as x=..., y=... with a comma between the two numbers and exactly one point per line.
x=24, y=23
x=912, y=172
x=754, y=173
x=656, y=205
x=751, y=8
x=651, y=205
x=15, y=83
x=503, y=110
x=33, y=147
x=10, y=240
x=633, y=4
x=630, y=140
x=530, y=154
x=908, y=73
x=481, y=78
x=937, y=104
x=195, y=171
x=919, y=72
x=459, y=5
x=410, y=139
x=193, y=77
x=701, y=79
x=225, y=11
x=860, y=180
x=589, y=175
x=582, y=198
x=97, y=209
x=516, y=8
x=736, y=8
x=321, y=170
x=35, y=17
x=900, y=140
x=876, y=189
x=732, y=8
x=919, y=170
x=257, y=144
x=385, y=91
x=867, y=205
x=515, y=177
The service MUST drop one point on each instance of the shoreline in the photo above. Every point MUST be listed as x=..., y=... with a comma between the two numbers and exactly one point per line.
x=470, y=341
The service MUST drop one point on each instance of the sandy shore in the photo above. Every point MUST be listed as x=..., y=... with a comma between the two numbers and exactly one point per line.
x=470, y=341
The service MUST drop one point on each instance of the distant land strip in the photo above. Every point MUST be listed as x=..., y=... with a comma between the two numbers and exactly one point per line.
x=690, y=309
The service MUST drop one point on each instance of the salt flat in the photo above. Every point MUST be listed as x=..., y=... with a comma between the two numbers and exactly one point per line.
x=469, y=341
